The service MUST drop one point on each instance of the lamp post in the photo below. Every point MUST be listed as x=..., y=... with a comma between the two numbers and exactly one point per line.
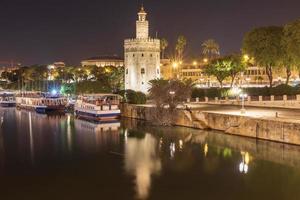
x=172, y=93
x=243, y=96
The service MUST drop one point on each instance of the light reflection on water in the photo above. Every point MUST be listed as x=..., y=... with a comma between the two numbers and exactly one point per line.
x=142, y=161
x=152, y=162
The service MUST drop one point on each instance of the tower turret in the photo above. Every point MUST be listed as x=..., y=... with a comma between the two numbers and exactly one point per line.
x=142, y=25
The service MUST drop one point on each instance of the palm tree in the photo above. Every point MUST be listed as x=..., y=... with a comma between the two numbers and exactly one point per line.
x=180, y=45
x=210, y=49
x=163, y=45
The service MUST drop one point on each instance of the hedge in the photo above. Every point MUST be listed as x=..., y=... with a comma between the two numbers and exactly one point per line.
x=279, y=90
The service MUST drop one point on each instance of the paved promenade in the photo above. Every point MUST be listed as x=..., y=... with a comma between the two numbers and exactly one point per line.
x=256, y=112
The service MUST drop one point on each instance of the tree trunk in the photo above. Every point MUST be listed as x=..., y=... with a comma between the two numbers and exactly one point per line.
x=270, y=75
x=232, y=80
x=288, y=75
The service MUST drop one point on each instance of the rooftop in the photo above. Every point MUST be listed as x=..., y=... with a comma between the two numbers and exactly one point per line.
x=106, y=57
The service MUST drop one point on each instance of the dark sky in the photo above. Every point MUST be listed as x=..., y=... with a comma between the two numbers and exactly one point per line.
x=44, y=31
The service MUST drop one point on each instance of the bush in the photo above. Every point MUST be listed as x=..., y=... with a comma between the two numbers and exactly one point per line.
x=133, y=97
x=279, y=90
x=210, y=92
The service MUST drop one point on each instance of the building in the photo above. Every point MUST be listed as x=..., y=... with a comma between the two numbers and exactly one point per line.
x=253, y=76
x=104, y=61
x=56, y=65
x=8, y=66
x=142, y=57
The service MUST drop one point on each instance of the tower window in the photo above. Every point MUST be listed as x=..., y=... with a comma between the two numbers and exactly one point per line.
x=142, y=55
x=157, y=71
x=133, y=55
x=126, y=71
x=143, y=71
x=151, y=55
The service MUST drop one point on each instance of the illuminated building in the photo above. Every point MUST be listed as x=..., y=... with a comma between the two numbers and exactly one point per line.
x=142, y=57
x=56, y=65
x=104, y=61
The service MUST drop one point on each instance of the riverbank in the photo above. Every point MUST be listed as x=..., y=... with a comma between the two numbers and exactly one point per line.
x=252, y=124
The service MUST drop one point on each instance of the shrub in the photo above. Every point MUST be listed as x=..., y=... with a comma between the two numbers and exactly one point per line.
x=133, y=97
x=254, y=91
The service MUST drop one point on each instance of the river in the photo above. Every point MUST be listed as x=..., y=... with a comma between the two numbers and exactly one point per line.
x=60, y=157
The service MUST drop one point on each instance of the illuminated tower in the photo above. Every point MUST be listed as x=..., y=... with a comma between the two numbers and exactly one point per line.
x=142, y=57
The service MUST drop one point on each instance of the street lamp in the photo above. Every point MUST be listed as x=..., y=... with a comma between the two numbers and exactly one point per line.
x=243, y=96
x=195, y=63
x=172, y=93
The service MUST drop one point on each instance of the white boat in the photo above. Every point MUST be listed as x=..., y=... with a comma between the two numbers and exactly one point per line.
x=41, y=102
x=98, y=107
x=7, y=99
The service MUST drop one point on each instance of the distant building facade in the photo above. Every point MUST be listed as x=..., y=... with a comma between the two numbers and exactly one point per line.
x=142, y=57
x=8, y=66
x=103, y=61
x=56, y=65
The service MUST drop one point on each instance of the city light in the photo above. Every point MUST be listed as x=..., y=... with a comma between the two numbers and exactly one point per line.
x=175, y=65
x=205, y=60
x=246, y=57
x=195, y=63
x=54, y=92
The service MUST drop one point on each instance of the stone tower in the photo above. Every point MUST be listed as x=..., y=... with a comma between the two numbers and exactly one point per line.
x=142, y=57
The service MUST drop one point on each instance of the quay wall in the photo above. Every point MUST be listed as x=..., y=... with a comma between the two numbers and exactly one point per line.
x=279, y=130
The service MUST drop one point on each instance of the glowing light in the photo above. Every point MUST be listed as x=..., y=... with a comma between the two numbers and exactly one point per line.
x=205, y=60
x=235, y=91
x=172, y=93
x=205, y=149
x=172, y=150
x=195, y=63
x=175, y=65
x=180, y=144
x=54, y=92
x=180, y=62
x=246, y=57
x=243, y=95
x=244, y=165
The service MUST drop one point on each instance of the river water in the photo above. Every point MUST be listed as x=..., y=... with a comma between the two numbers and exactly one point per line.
x=59, y=157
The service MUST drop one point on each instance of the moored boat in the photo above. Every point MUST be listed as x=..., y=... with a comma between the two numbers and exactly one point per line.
x=41, y=102
x=98, y=107
x=7, y=99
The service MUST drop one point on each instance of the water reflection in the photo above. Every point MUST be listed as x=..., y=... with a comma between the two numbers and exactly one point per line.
x=142, y=161
x=93, y=137
x=244, y=165
x=163, y=161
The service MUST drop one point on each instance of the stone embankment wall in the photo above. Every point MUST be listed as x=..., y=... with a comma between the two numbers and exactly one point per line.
x=269, y=129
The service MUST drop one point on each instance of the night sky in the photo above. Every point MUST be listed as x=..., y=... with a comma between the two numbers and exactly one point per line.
x=44, y=31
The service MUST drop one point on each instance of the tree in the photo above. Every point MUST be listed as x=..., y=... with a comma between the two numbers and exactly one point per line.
x=163, y=45
x=264, y=44
x=219, y=68
x=180, y=45
x=169, y=92
x=291, y=43
x=236, y=66
x=210, y=49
